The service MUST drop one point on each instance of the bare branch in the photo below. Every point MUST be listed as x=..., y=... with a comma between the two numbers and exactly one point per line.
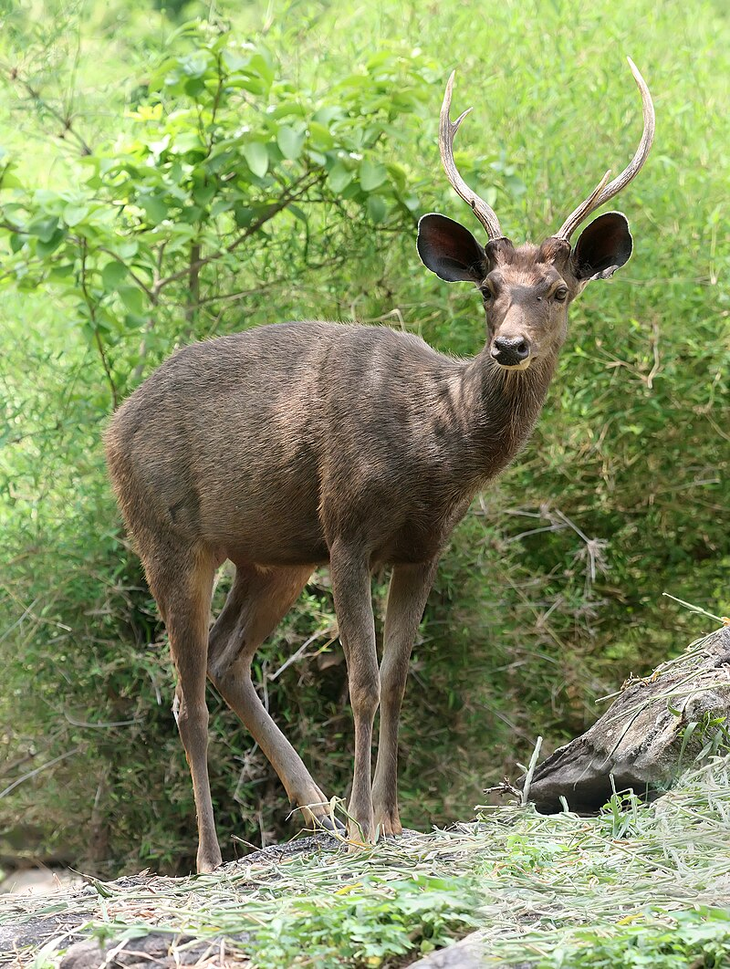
x=97, y=335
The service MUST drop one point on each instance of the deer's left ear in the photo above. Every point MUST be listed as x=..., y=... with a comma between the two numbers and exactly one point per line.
x=604, y=246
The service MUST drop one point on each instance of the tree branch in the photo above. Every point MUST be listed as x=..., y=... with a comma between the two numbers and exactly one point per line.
x=148, y=292
x=273, y=210
x=191, y=306
x=64, y=120
x=97, y=335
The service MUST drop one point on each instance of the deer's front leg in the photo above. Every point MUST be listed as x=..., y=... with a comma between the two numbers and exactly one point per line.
x=350, y=574
x=409, y=589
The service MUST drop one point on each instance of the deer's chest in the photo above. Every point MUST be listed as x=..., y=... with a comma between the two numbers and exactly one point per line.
x=422, y=535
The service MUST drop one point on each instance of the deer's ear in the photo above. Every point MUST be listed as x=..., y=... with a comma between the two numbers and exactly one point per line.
x=450, y=250
x=604, y=246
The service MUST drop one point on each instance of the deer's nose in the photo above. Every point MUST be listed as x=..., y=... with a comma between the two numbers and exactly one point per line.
x=511, y=351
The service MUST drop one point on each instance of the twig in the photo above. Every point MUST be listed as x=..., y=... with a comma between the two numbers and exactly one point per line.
x=97, y=335
x=149, y=293
x=32, y=773
x=302, y=649
x=698, y=609
x=530, y=771
x=65, y=120
x=101, y=726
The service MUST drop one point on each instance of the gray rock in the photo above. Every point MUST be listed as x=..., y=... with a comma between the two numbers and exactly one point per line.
x=644, y=734
x=156, y=951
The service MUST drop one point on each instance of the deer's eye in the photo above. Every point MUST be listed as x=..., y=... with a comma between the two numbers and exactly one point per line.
x=487, y=294
x=561, y=294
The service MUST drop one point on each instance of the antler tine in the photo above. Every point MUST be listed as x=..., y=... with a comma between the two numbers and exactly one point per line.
x=602, y=193
x=447, y=133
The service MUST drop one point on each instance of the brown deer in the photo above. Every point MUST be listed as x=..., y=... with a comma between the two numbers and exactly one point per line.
x=298, y=444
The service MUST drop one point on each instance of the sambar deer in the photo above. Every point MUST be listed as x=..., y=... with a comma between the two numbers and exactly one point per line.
x=294, y=445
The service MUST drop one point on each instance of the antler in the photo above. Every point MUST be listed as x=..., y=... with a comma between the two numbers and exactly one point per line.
x=447, y=132
x=603, y=192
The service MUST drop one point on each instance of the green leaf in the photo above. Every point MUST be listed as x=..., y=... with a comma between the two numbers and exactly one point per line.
x=372, y=174
x=195, y=64
x=377, y=208
x=194, y=87
x=220, y=205
x=204, y=193
x=320, y=135
x=43, y=228
x=339, y=177
x=62, y=271
x=317, y=158
x=186, y=141
x=257, y=157
x=155, y=208
x=328, y=113
x=297, y=212
x=126, y=248
x=243, y=216
x=397, y=174
x=133, y=298
x=286, y=111
x=113, y=273
x=290, y=142
x=515, y=185
x=74, y=213
x=234, y=61
x=9, y=180
x=17, y=241
x=44, y=247
x=261, y=65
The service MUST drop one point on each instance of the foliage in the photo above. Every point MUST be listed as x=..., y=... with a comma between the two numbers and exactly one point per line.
x=368, y=922
x=138, y=152
x=221, y=148
x=698, y=938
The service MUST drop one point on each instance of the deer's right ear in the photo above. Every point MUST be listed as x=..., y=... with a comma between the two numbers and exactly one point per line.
x=450, y=250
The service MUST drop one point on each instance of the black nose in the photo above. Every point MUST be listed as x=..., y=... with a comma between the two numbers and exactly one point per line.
x=510, y=351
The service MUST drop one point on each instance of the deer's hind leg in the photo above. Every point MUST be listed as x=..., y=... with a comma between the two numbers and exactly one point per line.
x=182, y=583
x=258, y=600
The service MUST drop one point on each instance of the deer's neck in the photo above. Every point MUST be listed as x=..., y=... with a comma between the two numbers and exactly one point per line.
x=500, y=408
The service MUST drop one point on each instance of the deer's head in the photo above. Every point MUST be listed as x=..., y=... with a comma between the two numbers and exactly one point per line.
x=527, y=289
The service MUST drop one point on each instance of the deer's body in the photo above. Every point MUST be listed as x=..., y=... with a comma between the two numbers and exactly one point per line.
x=299, y=444
x=265, y=446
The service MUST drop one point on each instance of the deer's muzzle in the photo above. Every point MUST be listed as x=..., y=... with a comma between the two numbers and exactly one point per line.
x=512, y=352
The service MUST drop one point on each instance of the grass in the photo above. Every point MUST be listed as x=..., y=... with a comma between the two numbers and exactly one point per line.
x=638, y=885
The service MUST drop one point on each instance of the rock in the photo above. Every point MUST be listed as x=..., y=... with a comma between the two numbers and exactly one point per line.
x=156, y=951
x=466, y=954
x=470, y=953
x=39, y=881
x=644, y=735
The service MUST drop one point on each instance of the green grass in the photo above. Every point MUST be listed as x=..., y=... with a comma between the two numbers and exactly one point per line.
x=639, y=885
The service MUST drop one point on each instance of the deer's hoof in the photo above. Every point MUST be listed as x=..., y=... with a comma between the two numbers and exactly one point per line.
x=389, y=824
x=208, y=861
x=361, y=835
x=330, y=823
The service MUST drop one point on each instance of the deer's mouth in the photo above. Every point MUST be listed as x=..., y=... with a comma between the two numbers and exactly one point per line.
x=524, y=365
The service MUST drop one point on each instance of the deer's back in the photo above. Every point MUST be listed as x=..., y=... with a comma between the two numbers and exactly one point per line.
x=263, y=444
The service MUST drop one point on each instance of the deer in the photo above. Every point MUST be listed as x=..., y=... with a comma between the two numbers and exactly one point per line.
x=293, y=446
